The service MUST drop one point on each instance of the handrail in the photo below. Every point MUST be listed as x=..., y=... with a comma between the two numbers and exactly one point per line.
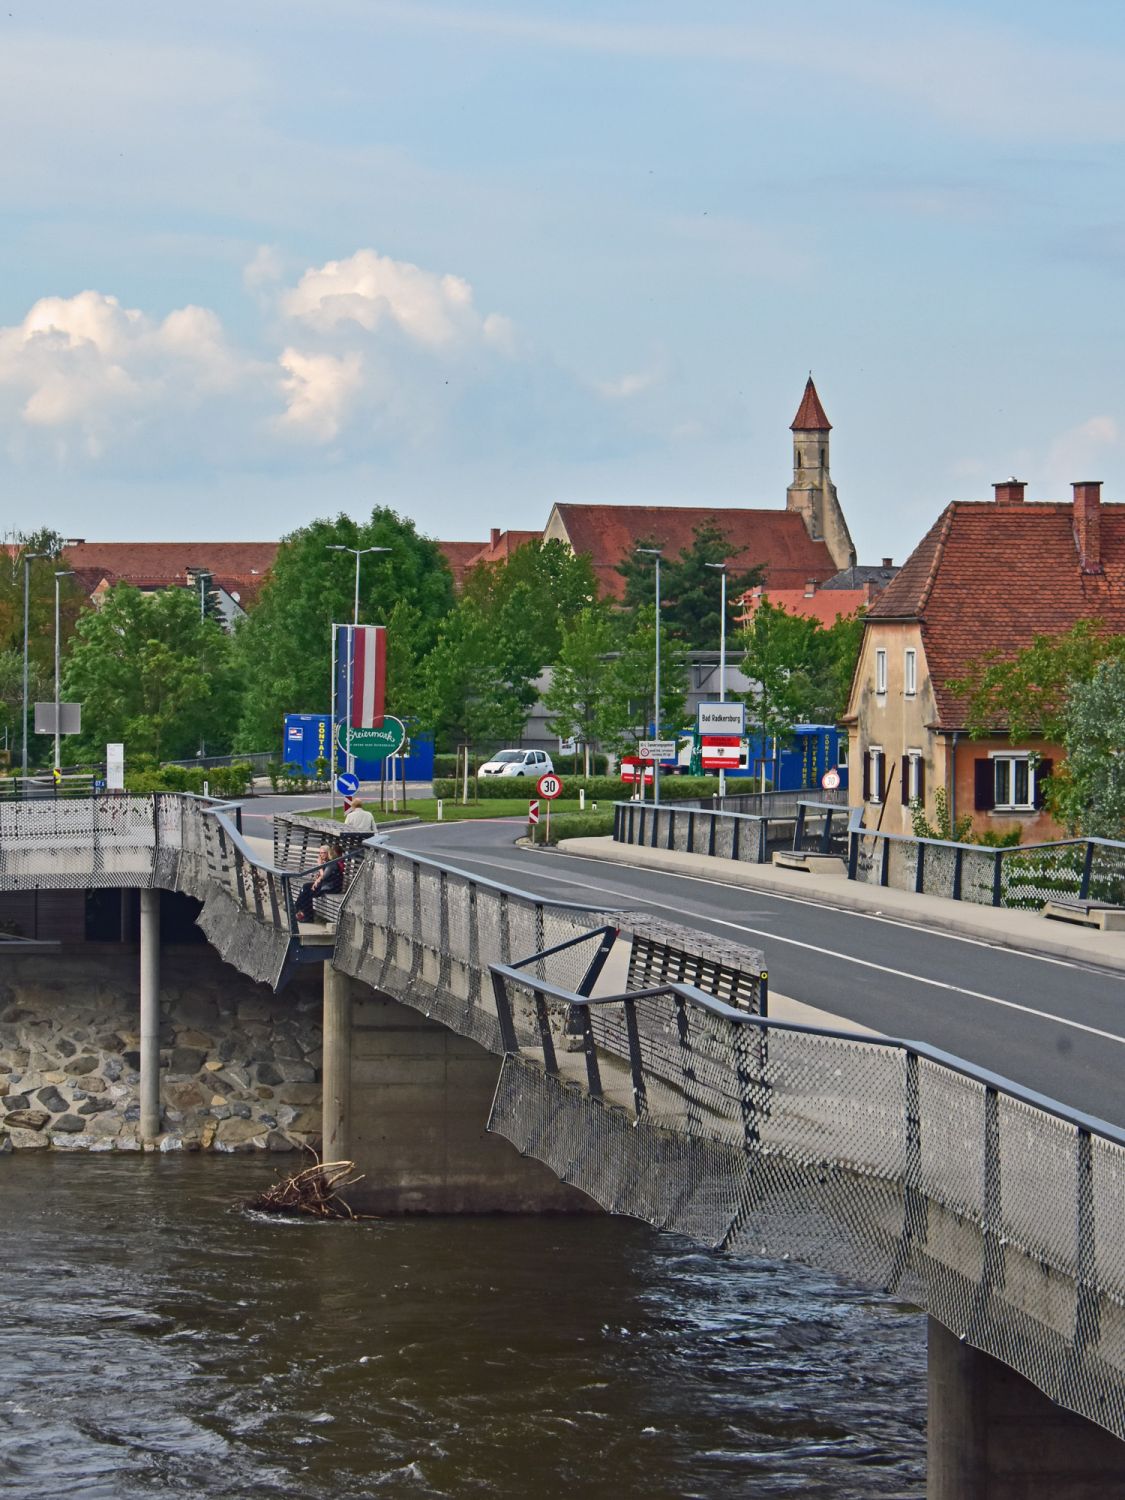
x=702, y=1001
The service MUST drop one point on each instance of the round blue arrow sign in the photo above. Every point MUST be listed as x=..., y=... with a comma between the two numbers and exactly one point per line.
x=347, y=784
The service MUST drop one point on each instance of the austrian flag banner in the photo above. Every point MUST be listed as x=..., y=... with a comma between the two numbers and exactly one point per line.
x=361, y=671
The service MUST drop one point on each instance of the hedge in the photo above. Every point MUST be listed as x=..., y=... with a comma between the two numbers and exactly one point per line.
x=597, y=788
x=222, y=781
x=575, y=825
x=446, y=765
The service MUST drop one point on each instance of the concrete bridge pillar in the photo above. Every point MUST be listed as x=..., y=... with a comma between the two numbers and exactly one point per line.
x=336, y=1074
x=150, y=1015
x=995, y=1436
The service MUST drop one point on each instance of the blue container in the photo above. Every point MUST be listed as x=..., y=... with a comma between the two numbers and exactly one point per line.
x=308, y=736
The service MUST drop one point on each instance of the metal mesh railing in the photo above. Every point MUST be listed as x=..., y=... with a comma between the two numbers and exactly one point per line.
x=998, y=1211
x=1021, y=876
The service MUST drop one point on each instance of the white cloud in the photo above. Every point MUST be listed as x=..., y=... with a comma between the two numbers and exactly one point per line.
x=88, y=369
x=374, y=292
x=319, y=390
x=265, y=270
x=1080, y=452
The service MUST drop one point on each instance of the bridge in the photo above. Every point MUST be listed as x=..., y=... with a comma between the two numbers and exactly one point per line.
x=637, y=1060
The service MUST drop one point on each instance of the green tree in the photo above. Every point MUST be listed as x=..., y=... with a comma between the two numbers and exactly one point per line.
x=1088, y=790
x=626, y=715
x=1027, y=694
x=465, y=693
x=578, y=681
x=801, y=670
x=283, y=648
x=150, y=673
x=41, y=619
x=694, y=592
x=532, y=596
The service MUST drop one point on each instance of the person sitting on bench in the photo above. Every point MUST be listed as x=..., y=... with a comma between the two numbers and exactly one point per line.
x=328, y=881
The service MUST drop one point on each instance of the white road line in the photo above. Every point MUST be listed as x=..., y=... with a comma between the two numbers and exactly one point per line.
x=863, y=963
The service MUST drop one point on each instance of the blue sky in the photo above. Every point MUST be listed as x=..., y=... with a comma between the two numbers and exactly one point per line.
x=265, y=261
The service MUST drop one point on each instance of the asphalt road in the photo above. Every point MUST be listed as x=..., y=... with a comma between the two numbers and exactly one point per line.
x=1051, y=1025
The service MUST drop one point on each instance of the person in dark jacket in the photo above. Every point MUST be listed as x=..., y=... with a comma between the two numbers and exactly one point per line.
x=328, y=881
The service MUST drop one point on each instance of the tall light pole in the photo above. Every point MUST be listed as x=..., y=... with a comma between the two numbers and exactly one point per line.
x=657, y=554
x=28, y=559
x=59, y=573
x=359, y=552
x=721, y=569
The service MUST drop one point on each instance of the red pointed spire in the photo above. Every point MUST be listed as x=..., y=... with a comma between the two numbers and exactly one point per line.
x=810, y=414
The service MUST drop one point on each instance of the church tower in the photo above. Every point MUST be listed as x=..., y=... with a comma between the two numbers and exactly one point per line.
x=812, y=493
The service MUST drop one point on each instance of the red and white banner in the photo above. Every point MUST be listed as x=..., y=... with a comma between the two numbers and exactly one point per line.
x=720, y=752
x=361, y=672
x=632, y=766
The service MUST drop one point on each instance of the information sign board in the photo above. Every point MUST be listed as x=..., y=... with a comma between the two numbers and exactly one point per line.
x=657, y=750
x=721, y=718
x=372, y=744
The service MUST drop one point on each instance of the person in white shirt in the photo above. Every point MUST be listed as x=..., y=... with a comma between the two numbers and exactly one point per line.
x=359, y=820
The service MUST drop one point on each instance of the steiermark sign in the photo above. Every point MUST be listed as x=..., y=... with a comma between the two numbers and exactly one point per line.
x=372, y=744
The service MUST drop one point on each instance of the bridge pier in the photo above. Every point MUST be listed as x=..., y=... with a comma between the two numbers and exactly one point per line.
x=995, y=1436
x=150, y=1015
x=336, y=1068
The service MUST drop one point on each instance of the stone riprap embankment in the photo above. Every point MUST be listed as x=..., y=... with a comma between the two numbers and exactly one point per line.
x=239, y=1065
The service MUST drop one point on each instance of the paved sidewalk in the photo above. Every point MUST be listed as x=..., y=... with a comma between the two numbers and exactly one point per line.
x=1025, y=931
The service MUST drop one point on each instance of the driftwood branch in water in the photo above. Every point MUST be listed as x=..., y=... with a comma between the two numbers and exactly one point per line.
x=314, y=1191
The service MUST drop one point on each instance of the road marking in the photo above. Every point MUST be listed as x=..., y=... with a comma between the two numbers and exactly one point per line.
x=864, y=963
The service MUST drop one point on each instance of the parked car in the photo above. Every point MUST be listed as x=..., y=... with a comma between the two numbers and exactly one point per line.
x=517, y=763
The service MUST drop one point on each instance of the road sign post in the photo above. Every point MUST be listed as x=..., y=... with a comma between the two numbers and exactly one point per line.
x=548, y=787
x=533, y=814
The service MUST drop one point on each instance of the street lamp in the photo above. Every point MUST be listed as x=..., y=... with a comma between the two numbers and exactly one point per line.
x=359, y=552
x=721, y=569
x=28, y=558
x=59, y=573
x=655, y=552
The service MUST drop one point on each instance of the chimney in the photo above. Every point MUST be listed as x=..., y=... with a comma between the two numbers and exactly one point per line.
x=1088, y=524
x=810, y=588
x=888, y=562
x=495, y=535
x=1010, y=491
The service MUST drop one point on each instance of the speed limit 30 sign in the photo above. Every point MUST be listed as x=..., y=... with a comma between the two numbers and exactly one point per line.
x=549, y=786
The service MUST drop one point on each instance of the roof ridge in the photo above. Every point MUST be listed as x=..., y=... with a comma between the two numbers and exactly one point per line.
x=931, y=577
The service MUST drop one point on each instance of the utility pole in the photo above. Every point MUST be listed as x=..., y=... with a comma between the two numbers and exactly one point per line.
x=657, y=554
x=59, y=573
x=28, y=558
x=721, y=569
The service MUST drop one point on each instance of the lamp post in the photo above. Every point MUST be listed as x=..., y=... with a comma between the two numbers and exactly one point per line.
x=359, y=552
x=59, y=573
x=657, y=554
x=721, y=569
x=28, y=559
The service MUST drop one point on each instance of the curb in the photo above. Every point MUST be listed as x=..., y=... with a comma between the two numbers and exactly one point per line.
x=850, y=898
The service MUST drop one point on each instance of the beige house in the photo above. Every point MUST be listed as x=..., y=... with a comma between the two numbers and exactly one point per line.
x=987, y=578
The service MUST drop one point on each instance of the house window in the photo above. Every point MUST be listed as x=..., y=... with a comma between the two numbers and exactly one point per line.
x=910, y=673
x=913, y=778
x=881, y=672
x=874, y=772
x=842, y=752
x=1013, y=781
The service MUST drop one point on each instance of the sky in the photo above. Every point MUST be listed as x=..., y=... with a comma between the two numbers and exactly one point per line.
x=267, y=261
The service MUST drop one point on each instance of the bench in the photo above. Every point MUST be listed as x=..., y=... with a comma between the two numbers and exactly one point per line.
x=810, y=861
x=1102, y=914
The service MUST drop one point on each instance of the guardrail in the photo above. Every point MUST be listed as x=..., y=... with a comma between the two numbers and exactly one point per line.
x=1021, y=876
x=426, y=935
x=769, y=804
x=995, y=1209
x=690, y=829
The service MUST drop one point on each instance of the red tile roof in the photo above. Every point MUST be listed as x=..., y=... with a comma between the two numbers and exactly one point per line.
x=810, y=414
x=238, y=567
x=991, y=578
x=778, y=539
x=826, y=605
x=464, y=555
x=459, y=556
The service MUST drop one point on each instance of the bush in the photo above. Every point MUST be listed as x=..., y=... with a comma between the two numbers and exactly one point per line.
x=575, y=825
x=597, y=788
x=446, y=765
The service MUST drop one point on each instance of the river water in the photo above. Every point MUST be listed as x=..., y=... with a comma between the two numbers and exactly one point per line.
x=159, y=1340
